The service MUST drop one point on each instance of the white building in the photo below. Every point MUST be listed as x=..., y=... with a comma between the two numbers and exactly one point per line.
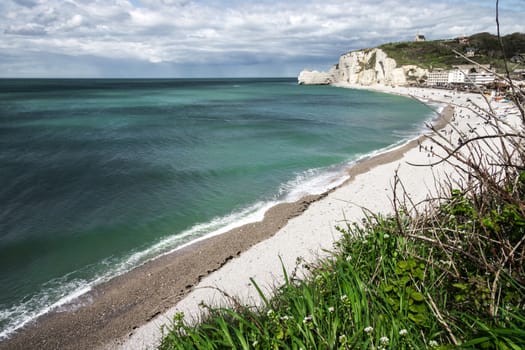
x=462, y=74
x=437, y=78
x=470, y=52
x=420, y=37
x=476, y=74
x=456, y=76
x=481, y=78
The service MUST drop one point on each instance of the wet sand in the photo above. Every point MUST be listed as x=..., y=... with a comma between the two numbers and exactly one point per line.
x=113, y=310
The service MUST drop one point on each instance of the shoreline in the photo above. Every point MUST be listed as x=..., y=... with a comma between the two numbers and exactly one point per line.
x=115, y=309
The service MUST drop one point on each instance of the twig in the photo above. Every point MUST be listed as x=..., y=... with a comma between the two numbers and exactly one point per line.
x=376, y=271
x=441, y=320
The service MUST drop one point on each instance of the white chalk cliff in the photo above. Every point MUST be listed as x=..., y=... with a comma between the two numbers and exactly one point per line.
x=313, y=77
x=366, y=67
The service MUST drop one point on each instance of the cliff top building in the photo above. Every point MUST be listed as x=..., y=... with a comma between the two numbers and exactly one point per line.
x=464, y=40
x=420, y=37
x=470, y=52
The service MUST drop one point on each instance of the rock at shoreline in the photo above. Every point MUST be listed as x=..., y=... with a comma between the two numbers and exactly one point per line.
x=365, y=67
x=313, y=77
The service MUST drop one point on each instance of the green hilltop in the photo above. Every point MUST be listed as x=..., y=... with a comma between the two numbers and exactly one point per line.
x=439, y=53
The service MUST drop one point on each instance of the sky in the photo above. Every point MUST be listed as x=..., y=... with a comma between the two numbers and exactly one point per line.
x=229, y=38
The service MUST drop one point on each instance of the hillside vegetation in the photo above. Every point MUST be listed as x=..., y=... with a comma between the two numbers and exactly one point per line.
x=439, y=53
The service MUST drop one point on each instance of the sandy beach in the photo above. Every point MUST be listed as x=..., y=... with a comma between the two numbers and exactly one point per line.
x=129, y=311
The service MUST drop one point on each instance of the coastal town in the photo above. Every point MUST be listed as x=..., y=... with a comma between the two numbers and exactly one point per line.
x=453, y=64
x=465, y=76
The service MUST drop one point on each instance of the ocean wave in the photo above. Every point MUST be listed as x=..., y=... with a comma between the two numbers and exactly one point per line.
x=55, y=295
x=313, y=182
x=62, y=294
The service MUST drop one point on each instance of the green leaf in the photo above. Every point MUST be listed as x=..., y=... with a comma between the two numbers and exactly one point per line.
x=459, y=298
x=418, y=273
x=417, y=296
x=261, y=294
x=476, y=341
x=418, y=308
x=461, y=286
x=418, y=319
x=512, y=345
x=280, y=334
x=403, y=280
x=403, y=265
x=412, y=263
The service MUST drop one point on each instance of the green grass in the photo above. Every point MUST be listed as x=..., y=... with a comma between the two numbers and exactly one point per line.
x=380, y=289
x=439, y=53
x=428, y=54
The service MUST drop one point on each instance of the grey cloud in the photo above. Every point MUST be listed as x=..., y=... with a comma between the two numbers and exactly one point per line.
x=30, y=29
x=46, y=16
x=170, y=34
x=27, y=3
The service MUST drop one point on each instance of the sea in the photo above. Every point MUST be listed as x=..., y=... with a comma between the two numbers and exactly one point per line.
x=98, y=176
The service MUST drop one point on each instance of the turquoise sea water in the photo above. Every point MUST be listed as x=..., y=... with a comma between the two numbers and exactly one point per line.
x=98, y=176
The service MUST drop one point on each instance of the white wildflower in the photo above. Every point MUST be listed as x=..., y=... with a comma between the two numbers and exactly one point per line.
x=331, y=309
x=307, y=319
x=344, y=298
x=433, y=344
x=384, y=340
x=349, y=258
x=369, y=329
x=403, y=332
x=386, y=236
x=342, y=339
x=269, y=313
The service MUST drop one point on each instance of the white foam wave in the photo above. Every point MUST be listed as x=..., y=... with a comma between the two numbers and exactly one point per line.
x=201, y=232
x=40, y=304
x=313, y=181
x=422, y=128
x=63, y=295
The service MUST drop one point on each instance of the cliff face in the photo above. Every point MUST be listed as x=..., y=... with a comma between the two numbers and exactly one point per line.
x=313, y=77
x=365, y=67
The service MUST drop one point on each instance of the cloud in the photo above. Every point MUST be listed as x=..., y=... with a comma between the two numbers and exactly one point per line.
x=26, y=29
x=74, y=22
x=27, y=3
x=178, y=36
